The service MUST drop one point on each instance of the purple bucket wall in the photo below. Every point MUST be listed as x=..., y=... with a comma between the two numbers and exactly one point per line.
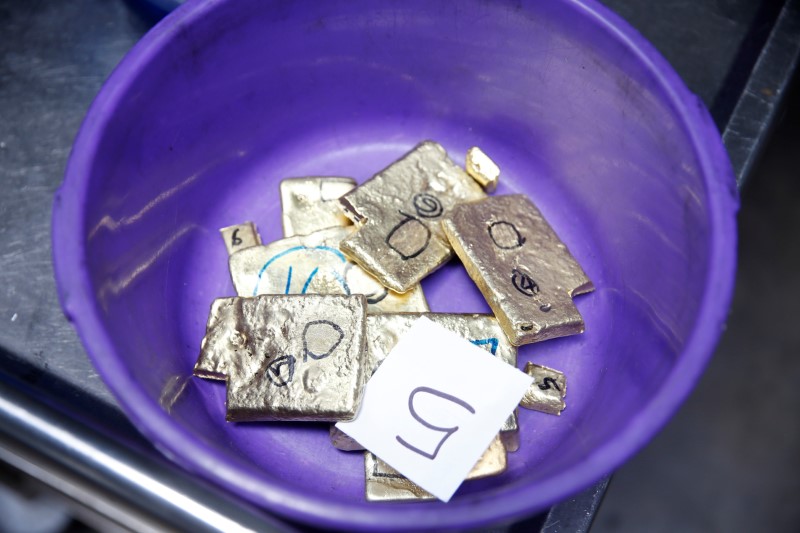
x=223, y=99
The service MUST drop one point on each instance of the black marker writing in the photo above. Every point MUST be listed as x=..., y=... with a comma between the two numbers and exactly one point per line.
x=505, y=235
x=275, y=370
x=446, y=430
x=319, y=334
x=409, y=238
x=235, y=240
x=524, y=283
x=546, y=382
x=427, y=205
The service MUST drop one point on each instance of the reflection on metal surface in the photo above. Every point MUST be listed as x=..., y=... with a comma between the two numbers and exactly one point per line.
x=399, y=238
x=313, y=264
x=131, y=485
x=384, y=483
x=547, y=392
x=240, y=236
x=311, y=204
x=524, y=271
x=385, y=330
x=287, y=358
x=482, y=169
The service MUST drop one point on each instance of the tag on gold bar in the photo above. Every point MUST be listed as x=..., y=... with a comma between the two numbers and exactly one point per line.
x=384, y=483
x=240, y=236
x=524, y=271
x=311, y=204
x=313, y=264
x=385, y=330
x=548, y=390
x=290, y=358
x=399, y=238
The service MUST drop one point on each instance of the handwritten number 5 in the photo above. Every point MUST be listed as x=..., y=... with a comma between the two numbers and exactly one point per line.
x=446, y=430
x=547, y=382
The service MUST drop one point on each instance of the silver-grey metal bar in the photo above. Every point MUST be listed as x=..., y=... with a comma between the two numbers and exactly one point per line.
x=127, y=487
x=757, y=110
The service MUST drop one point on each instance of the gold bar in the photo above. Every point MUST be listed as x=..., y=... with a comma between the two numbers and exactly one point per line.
x=385, y=484
x=313, y=264
x=482, y=169
x=385, y=330
x=548, y=390
x=524, y=271
x=220, y=345
x=289, y=358
x=397, y=212
x=240, y=236
x=509, y=433
x=311, y=204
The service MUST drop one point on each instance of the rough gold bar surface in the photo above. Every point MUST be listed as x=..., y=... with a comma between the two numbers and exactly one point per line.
x=399, y=238
x=384, y=483
x=385, y=330
x=527, y=275
x=548, y=390
x=313, y=264
x=290, y=358
x=509, y=433
x=482, y=169
x=311, y=204
x=240, y=236
x=221, y=345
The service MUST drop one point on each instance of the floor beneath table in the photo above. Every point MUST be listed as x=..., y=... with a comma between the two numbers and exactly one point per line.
x=729, y=461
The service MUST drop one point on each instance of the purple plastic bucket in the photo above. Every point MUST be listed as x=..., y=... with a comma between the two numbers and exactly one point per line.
x=223, y=99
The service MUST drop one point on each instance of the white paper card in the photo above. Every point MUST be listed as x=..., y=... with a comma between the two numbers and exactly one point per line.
x=434, y=405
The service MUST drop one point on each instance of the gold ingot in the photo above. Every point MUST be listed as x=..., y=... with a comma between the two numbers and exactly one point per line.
x=399, y=238
x=289, y=358
x=548, y=390
x=509, y=433
x=221, y=345
x=527, y=275
x=313, y=264
x=385, y=484
x=240, y=237
x=385, y=330
x=482, y=169
x=311, y=204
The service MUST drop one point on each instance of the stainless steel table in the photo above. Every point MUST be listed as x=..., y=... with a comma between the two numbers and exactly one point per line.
x=58, y=422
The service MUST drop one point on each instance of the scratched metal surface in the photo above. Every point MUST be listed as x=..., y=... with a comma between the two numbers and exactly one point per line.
x=53, y=58
x=55, y=55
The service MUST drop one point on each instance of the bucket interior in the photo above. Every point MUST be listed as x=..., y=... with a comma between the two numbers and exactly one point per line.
x=252, y=92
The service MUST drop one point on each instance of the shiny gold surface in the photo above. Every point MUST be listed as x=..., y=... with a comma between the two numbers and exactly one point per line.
x=384, y=483
x=219, y=346
x=313, y=264
x=240, y=236
x=311, y=204
x=547, y=392
x=399, y=238
x=385, y=330
x=524, y=271
x=482, y=169
x=509, y=433
x=290, y=358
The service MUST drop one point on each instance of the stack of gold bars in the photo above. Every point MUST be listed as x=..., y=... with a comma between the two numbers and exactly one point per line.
x=320, y=309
